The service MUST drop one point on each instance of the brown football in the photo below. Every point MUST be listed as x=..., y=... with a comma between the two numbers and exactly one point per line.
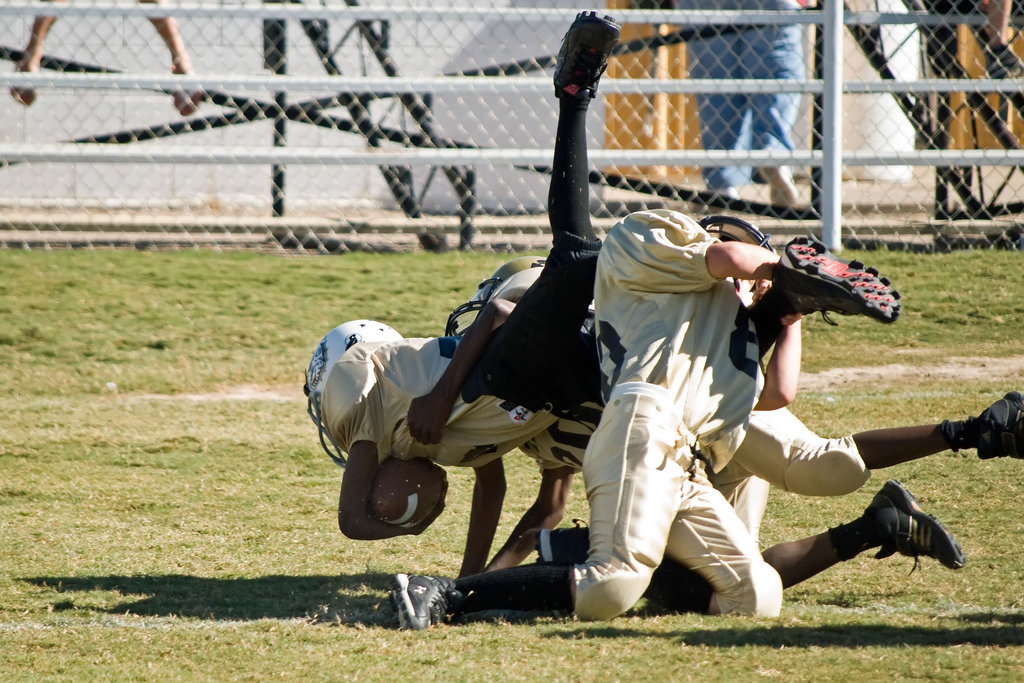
x=407, y=491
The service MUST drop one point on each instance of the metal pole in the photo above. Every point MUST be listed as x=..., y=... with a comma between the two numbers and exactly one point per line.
x=275, y=59
x=832, y=135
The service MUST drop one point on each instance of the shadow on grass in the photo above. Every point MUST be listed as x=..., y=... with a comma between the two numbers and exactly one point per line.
x=350, y=599
x=1000, y=630
x=361, y=599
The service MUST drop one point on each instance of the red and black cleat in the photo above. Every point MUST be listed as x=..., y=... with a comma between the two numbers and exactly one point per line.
x=814, y=279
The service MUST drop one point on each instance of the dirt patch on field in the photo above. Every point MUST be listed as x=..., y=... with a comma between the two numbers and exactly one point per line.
x=238, y=393
x=1010, y=369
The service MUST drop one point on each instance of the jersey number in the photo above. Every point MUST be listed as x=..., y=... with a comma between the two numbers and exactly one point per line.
x=739, y=343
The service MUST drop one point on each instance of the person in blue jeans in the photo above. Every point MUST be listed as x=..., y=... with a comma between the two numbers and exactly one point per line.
x=748, y=121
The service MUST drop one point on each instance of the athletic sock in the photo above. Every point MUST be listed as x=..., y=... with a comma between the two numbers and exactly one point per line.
x=569, y=191
x=960, y=433
x=676, y=587
x=528, y=588
x=853, y=538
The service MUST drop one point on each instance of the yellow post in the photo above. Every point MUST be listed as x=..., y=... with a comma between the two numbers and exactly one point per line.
x=660, y=121
x=962, y=130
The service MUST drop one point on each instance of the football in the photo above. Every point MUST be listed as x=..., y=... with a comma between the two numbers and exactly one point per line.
x=405, y=492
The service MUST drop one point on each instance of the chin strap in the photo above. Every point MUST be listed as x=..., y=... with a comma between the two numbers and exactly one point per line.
x=335, y=453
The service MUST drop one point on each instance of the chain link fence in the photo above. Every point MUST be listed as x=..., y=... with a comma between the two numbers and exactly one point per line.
x=329, y=126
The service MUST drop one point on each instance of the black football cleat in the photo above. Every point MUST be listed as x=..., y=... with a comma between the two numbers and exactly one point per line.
x=907, y=529
x=420, y=601
x=583, y=56
x=1001, y=428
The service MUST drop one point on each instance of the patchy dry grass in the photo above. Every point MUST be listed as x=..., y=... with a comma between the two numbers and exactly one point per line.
x=165, y=512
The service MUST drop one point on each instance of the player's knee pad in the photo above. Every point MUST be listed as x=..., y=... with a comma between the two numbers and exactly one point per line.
x=834, y=468
x=603, y=593
x=759, y=594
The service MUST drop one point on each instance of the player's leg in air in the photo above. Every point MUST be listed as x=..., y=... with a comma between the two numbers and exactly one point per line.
x=545, y=325
x=553, y=309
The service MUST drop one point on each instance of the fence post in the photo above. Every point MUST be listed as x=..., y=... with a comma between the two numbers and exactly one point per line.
x=275, y=49
x=832, y=138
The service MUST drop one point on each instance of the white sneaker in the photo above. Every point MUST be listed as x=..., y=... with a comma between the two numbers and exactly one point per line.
x=780, y=181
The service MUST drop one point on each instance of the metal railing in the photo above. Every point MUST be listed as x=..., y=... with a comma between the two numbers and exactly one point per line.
x=417, y=142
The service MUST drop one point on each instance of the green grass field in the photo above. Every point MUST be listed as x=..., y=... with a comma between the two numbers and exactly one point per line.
x=166, y=512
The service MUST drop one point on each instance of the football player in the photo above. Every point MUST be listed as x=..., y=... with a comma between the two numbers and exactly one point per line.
x=664, y=297
x=778, y=449
x=359, y=382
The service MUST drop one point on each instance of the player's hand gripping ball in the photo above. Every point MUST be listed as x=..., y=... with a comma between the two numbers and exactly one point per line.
x=406, y=492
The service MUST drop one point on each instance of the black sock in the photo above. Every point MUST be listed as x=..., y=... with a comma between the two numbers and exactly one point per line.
x=676, y=587
x=528, y=588
x=960, y=433
x=853, y=538
x=569, y=191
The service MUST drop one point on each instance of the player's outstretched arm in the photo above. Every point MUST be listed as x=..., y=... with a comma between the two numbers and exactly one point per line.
x=428, y=413
x=485, y=511
x=355, y=518
x=545, y=513
x=782, y=374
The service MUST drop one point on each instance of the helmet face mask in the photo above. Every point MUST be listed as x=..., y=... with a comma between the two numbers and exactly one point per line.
x=485, y=291
x=732, y=229
x=333, y=345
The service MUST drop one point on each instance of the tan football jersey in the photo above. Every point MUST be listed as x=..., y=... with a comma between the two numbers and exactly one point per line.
x=564, y=443
x=679, y=365
x=367, y=394
x=700, y=347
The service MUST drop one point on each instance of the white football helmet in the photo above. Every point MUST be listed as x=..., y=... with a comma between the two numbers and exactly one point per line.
x=510, y=281
x=732, y=229
x=328, y=351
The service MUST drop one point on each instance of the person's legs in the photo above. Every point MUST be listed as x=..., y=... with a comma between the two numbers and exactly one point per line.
x=725, y=119
x=773, y=115
x=880, y=448
x=781, y=58
x=1000, y=60
x=569, y=190
x=634, y=473
x=186, y=102
x=32, y=57
x=710, y=539
x=780, y=449
x=747, y=494
x=998, y=431
x=893, y=521
x=582, y=59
